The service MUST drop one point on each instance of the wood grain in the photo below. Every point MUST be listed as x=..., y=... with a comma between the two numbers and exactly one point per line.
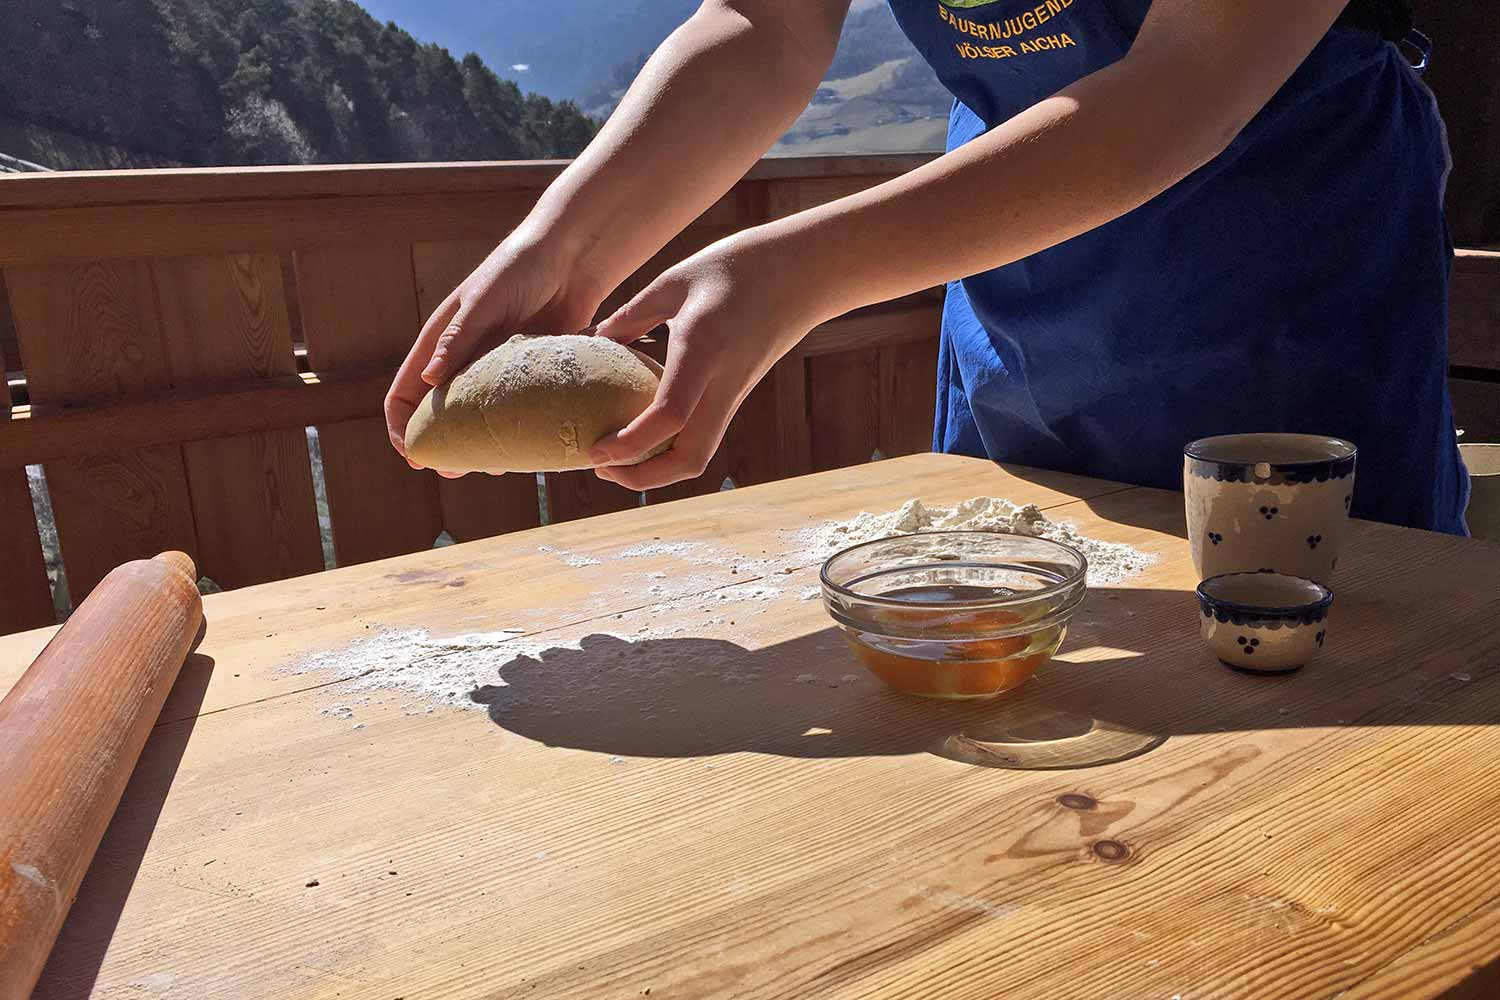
x=359, y=308
x=908, y=397
x=843, y=395
x=91, y=335
x=475, y=506
x=25, y=596
x=1476, y=408
x=51, y=432
x=209, y=184
x=917, y=318
x=71, y=235
x=70, y=752
x=10, y=348
x=1291, y=837
x=1474, y=310
x=769, y=438
x=224, y=319
x=1465, y=76
x=795, y=194
x=571, y=495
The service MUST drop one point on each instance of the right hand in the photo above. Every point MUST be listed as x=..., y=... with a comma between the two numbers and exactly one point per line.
x=525, y=285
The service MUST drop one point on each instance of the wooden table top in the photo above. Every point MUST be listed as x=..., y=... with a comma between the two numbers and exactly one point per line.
x=670, y=826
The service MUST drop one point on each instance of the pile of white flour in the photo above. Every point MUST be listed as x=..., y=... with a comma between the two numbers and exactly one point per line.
x=415, y=671
x=1109, y=562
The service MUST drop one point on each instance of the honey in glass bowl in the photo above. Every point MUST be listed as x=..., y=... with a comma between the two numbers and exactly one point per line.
x=954, y=614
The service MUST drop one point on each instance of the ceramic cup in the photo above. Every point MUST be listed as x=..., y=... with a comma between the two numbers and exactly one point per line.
x=1483, y=514
x=1264, y=623
x=1277, y=502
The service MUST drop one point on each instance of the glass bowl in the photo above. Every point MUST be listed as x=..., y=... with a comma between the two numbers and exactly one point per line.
x=954, y=614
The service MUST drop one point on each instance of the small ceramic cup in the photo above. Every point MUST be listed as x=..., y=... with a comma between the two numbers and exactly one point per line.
x=1263, y=623
x=1277, y=502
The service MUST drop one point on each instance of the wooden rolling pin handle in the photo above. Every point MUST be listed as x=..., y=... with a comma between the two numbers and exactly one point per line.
x=71, y=731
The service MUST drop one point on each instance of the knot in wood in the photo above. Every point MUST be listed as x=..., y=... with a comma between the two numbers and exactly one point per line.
x=1110, y=850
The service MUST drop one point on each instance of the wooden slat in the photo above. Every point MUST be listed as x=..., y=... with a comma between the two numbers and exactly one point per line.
x=1465, y=75
x=479, y=506
x=1474, y=310
x=475, y=506
x=571, y=495
x=438, y=267
x=25, y=596
x=205, y=184
x=908, y=396
x=769, y=437
x=10, y=348
x=788, y=196
x=359, y=308
x=916, y=319
x=61, y=235
x=225, y=318
x=51, y=432
x=90, y=332
x=767, y=440
x=843, y=393
x=1476, y=409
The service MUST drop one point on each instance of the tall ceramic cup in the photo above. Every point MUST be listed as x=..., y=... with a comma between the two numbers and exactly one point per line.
x=1483, y=463
x=1268, y=502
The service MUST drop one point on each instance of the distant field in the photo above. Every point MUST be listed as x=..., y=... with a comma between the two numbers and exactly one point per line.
x=896, y=137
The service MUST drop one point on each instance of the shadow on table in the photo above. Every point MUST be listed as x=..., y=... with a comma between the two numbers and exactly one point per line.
x=1139, y=507
x=1095, y=704
x=86, y=934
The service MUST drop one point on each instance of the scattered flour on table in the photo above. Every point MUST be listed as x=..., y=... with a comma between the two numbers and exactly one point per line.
x=1109, y=562
x=571, y=558
x=694, y=552
x=416, y=671
x=443, y=671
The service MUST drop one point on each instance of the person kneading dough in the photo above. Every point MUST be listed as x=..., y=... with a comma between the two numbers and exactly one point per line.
x=533, y=404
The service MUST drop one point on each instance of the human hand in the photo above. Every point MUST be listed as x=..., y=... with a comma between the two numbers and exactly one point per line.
x=525, y=285
x=731, y=313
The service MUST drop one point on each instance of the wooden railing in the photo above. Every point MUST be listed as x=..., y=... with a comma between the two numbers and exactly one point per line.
x=169, y=337
x=171, y=334
x=1474, y=343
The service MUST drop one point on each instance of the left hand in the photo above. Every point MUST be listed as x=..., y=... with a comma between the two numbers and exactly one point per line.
x=731, y=314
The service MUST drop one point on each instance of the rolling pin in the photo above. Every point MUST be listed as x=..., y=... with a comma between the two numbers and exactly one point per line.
x=71, y=731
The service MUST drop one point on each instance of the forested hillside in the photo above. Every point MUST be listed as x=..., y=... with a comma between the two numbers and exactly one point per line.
x=261, y=81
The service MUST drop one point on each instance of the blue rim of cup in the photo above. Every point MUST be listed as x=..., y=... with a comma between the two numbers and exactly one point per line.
x=1204, y=466
x=1236, y=613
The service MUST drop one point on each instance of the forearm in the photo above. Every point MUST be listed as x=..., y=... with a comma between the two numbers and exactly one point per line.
x=1063, y=167
x=712, y=99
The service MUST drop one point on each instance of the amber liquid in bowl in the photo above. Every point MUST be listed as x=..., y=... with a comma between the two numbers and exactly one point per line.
x=955, y=655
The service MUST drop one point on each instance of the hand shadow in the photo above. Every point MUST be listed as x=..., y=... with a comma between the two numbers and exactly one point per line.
x=807, y=697
x=1132, y=673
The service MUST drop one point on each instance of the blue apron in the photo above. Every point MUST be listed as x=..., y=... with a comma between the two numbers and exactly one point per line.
x=1297, y=282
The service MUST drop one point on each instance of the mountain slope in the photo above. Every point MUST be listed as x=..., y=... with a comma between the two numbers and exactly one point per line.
x=261, y=81
x=878, y=96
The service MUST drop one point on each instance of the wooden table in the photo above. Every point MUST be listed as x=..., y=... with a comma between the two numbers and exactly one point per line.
x=808, y=834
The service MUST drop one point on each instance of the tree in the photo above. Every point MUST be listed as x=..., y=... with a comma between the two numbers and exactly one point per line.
x=264, y=81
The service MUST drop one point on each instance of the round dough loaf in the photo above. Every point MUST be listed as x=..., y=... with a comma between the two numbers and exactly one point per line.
x=533, y=404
